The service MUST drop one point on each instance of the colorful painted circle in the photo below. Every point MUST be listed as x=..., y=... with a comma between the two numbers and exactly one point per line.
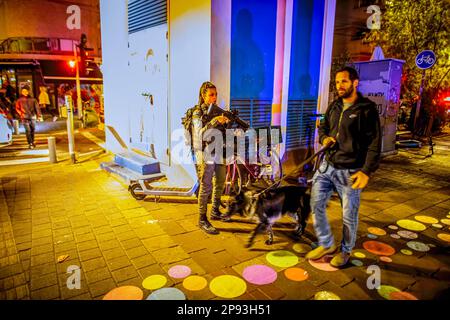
x=167, y=294
x=418, y=246
x=301, y=248
x=444, y=236
x=359, y=255
x=406, y=252
x=227, y=286
x=426, y=219
x=125, y=293
x=379, y=248
x=385, y=291
x=357, y=262
x=407, y=234
x=411, y=225
x=401, y=295
x=282, y=258
x=323, y=263
x=179, y=272
x=393, y=227
x=376, y=231
x=386, y=259
x=296, y=274
x=154, y=282
x=437, y=225
x=259, y=274
x=194, y=283
x=446, y=221
x=372, y=236
x=431, y=245
x=326, y=295
x=395, y=236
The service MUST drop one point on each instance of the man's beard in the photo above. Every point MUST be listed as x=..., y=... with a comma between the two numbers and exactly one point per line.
x=347, y=93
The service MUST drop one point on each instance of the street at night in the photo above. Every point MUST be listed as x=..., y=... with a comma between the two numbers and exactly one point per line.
x=224, y=150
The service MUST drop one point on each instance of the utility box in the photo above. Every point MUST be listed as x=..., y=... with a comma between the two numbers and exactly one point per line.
x=380, y=81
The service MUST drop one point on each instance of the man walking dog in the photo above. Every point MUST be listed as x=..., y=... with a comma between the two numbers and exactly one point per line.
x=351, y=127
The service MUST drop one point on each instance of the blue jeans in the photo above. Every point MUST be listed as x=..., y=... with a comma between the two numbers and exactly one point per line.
x=326, y=180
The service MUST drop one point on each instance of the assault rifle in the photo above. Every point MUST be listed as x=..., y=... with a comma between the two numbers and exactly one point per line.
x=214, y=111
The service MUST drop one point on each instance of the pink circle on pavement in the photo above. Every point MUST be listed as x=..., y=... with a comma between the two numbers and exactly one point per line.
x=259, y=274
x=179, y=272
x=386, y=259
x=323, y=263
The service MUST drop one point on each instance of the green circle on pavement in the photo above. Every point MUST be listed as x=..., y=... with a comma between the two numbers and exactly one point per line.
x=385, y=291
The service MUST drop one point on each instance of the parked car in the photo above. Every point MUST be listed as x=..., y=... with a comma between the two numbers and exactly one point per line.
x=6, y=131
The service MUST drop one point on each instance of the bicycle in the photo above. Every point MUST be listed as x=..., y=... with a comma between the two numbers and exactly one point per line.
x=240, y=173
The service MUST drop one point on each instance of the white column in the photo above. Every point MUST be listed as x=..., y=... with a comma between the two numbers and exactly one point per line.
x=114, y=26
x=286, y=71
x=221, y=49
x=326, y=59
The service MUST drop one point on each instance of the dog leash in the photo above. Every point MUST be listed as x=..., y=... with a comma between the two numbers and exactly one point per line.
x=297, y=169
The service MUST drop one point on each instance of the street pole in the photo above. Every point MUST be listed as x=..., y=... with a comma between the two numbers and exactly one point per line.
x=69, y=104
x=419, y=102
x=77, y=80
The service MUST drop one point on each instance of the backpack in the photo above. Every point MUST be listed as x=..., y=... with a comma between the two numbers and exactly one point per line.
x=186, y=121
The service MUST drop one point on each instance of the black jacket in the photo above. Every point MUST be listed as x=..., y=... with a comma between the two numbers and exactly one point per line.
x=358, y=135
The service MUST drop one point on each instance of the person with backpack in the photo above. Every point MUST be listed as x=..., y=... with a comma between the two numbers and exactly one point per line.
x=211, y=174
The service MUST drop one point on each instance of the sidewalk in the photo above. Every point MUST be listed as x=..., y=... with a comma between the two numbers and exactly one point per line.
x=47, y=211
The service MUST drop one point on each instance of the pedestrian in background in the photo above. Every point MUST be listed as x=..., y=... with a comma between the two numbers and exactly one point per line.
x=28, y=110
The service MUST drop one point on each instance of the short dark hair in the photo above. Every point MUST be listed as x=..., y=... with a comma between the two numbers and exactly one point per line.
x=353, y=74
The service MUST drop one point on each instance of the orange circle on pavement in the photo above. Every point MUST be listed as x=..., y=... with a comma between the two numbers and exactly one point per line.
x=376, y=231
x=195, y=283
x=379, y=248
x=401, y=295
x=125, y=293
x=444, y=236
x=296, y=274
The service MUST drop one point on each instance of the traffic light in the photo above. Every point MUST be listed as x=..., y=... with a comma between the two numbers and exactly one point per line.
x=87, y=63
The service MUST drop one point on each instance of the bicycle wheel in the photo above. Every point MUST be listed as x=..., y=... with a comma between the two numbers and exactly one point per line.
x=233, y=183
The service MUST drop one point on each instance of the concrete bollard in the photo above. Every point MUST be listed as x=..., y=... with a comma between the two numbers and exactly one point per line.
x=52, y=150
x=16, y=126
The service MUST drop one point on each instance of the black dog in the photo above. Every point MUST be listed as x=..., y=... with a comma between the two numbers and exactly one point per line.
x=271, y=205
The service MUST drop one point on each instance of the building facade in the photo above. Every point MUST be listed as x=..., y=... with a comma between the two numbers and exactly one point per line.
x=269, y=59
x=37, y=38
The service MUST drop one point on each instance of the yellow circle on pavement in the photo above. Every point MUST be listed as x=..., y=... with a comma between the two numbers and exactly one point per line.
x=445, y=221
x=376, y=231
x=326, y=295
x=282, y=258
x=406, y=252
x=359, y=255
x=411, y=225
x=444, y=236
x=154, y=282
x=227, y=286
x=426, y=219
x=195, y=283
